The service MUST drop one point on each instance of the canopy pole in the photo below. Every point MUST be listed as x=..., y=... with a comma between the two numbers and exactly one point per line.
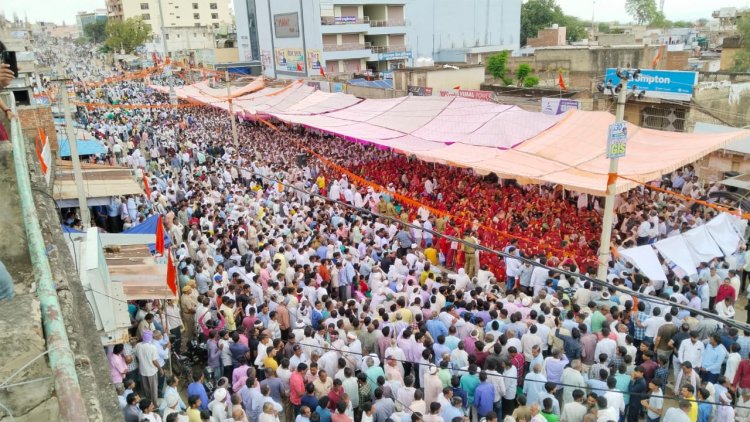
x=83, y=205
x=609, y=201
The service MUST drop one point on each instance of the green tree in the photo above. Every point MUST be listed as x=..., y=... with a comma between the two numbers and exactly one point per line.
x=742, y=58
x=540, y=14
x=496, y=66
x=643, y=11
x=531, y=81
x=604, y=28
x=96, y=32
x=523, y=71
x=127, y=35
x=660, y=21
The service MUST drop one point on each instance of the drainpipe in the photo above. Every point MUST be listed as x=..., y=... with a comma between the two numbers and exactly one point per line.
x=61, y=357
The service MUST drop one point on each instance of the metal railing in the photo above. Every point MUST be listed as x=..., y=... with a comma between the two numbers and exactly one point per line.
x=388, y=48
x=387, y=22
x=344, y=20
x=347, y=46
x=61, y=357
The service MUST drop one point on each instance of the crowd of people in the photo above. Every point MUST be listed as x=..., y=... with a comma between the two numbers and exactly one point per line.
x=322, y=301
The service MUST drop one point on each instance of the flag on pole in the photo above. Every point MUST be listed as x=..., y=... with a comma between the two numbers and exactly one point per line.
x=171, y=274
x=44, y=154
x=146, y=187
x=322, y=71
x=658, y=56
x=299, y=67
x=457, y=87
x=561, y=82
x=160, y=236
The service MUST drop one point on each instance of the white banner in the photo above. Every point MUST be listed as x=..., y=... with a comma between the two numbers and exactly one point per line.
x=676, y=250
x=644, y=257
x=701, y=244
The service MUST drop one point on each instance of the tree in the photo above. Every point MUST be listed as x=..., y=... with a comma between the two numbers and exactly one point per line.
x=127, y=35
x=531, y=81
x=536, y=15
x=496, y=66
x=604, y=28
x=643, y=11
x=522, y=72
x=96, y=32
x=742, y=57
x=540, y=14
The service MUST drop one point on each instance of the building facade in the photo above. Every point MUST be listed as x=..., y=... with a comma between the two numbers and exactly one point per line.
x=175, y=13
x=294, y=38
x=87, y=18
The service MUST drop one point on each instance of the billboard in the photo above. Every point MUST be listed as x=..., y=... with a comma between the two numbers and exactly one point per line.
x=468, y=93
x=419, y=91
x=559, y=105
x=286, y=25
x=290, y=59
x=345, y=19
x=394, y=55
x=666, y=84
x=314, y=58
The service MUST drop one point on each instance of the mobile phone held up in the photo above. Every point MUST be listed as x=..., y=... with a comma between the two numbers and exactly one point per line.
x=9, y=58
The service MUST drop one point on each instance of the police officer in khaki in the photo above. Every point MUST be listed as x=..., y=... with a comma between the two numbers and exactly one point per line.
x=470, y=263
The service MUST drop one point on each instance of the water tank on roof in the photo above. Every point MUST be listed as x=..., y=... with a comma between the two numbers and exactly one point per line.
x=555, y=26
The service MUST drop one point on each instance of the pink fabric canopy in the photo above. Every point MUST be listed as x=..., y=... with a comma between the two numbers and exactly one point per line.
x=567, y=149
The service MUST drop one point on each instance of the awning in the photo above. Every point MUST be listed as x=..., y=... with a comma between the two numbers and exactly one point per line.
x=141, y=276
x=85, y=147
x=741, y=146
x=100, y=183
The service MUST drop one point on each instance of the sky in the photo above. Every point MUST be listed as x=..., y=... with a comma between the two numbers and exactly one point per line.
x=606, y=10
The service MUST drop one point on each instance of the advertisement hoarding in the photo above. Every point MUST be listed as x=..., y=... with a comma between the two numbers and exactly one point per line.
x=468, y=93
x=290, y=59
x=559, y=105
x=286, y=25
x=419, y=91
x=666, y=84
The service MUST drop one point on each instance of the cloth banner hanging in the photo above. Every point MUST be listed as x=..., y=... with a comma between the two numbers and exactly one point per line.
x=722, y=231
x=644, y=257
x=676, y=250
x=701, y=245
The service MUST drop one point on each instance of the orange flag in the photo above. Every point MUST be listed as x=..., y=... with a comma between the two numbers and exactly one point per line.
x=146, y=187
x=561, y=82
x=322, y=71
x=171, y=274
x=160, y=236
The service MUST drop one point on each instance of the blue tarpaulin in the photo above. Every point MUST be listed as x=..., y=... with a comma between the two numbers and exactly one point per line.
x=68, y=229
x=85, y=147
x=379, y=83
x=149, y=227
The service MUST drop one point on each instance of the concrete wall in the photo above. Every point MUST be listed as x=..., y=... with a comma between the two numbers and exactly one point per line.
x=727, y=57
x=467, y=78
x=374, y=93
x=548, y=37
x=34, y=117
x=226, y=55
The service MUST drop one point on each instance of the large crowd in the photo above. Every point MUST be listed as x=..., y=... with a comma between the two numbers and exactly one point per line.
x=318, y=300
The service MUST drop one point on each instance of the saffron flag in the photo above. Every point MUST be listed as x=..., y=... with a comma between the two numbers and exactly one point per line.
x=146, y=187
x=322, y=71
x=160, y=236
x=171, y=274
x=658, y=56
x=561, y=82
x=299, y=67
x=44, y=154
x=457, y=87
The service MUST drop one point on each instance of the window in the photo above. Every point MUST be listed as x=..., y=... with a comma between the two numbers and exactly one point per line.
x=195, y=6
x=214, y=16
x=146, y=16
x=166, y=36
x=213, y=6
x=197, y=24
x=216, y=24
x=196, y=16
x=144, y=6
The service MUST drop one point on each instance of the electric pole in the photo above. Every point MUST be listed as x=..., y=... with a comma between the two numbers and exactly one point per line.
x=609, y=202
x=83, y=205
x=231, y=112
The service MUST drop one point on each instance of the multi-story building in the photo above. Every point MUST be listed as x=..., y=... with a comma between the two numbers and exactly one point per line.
x=86, y=18
x=114, y=10
x=175, y=14
x=295, y=38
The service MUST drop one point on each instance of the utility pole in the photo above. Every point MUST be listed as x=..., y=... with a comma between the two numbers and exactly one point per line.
x=231, y=112
x=609, y=202
x=83, y=205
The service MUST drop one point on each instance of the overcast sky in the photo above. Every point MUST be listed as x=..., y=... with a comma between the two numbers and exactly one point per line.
x=606, y=10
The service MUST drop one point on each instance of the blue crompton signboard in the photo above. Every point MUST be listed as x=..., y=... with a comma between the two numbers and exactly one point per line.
x=666, y=84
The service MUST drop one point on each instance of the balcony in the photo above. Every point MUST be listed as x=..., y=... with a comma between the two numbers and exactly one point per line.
x=347, y=51
x=390, y=26
x=343, y=20
x=388, y=49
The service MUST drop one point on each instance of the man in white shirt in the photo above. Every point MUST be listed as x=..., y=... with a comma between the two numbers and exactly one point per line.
x=148, y=366
x=614, y=397
x=691, y=350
